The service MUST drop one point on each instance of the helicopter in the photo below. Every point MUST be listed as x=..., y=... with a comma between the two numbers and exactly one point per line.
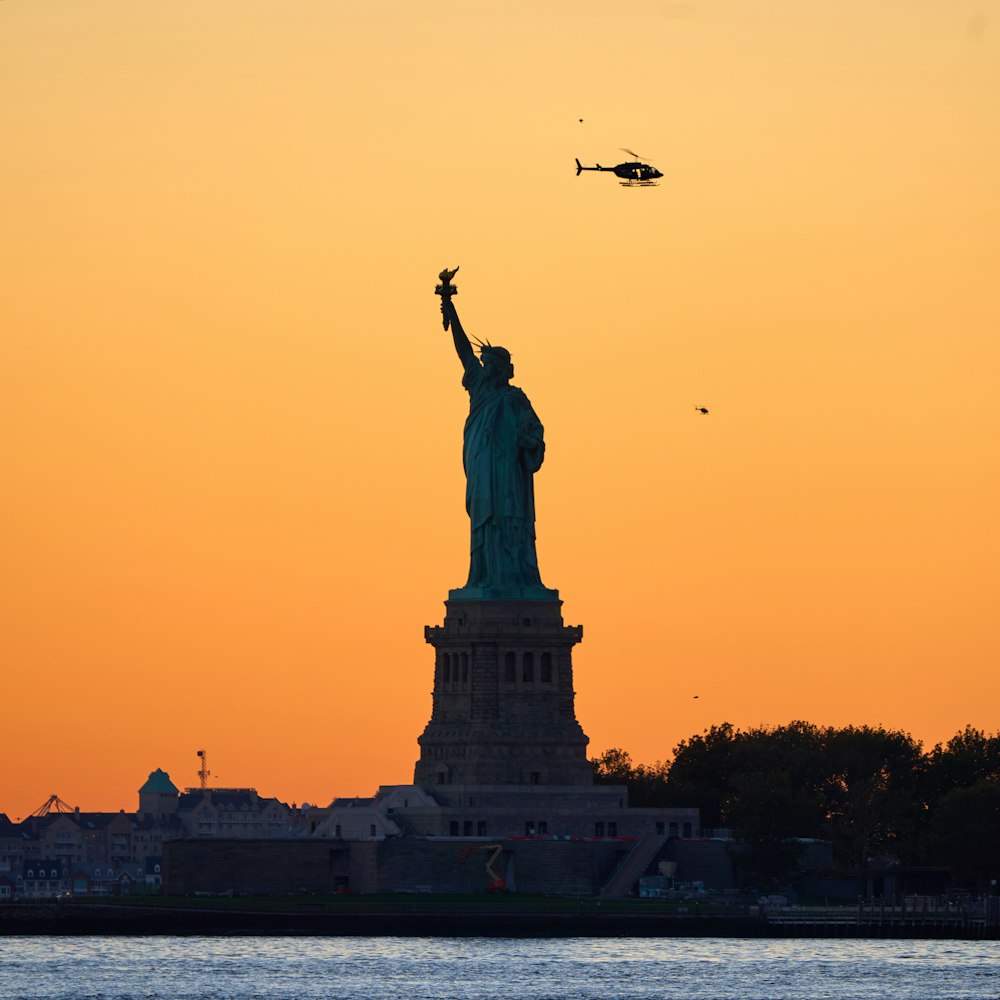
x=633, y=174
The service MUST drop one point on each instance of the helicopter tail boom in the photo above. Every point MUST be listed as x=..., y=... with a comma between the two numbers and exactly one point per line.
x=580, y=168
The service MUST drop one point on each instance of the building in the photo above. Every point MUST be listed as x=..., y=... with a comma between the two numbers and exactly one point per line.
x=64, y=850
x=503, y=756
x=44, y=878
x=503, y=793
x=231, y=813
x=502, y=777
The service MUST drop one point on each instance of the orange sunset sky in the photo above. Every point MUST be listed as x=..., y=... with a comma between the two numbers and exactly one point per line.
x=232, y=484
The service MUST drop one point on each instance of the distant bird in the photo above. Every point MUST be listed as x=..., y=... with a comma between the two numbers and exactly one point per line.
x=701, y=409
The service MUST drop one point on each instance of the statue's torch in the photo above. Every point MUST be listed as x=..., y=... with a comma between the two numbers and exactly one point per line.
x=446, y=290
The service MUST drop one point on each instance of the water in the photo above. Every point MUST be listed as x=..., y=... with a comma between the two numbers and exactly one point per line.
x=247, y=968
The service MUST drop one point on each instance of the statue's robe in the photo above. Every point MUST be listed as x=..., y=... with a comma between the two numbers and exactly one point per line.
x=504, y=448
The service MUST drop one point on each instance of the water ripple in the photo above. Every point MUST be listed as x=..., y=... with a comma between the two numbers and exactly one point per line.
x=247, y=968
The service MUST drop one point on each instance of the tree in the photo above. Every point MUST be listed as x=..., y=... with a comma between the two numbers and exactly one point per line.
x=767, y=815
x=968, y=757
x=699, y=772
x=869, y=790
x=648, y=787
x=871, y=793
x=705, y=767
x=613, y=767
x=646, y=783
x=965, y=831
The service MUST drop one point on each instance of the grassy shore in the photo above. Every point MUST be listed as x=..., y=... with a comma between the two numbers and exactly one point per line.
x=421, y=903
x=428, y=915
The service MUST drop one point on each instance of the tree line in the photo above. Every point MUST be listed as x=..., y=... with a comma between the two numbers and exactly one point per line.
x=872, y=792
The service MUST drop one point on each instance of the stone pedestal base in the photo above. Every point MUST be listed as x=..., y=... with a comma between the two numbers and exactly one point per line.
x=503, y=698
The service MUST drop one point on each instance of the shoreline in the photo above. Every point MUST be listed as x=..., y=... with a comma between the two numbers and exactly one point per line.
x=116, y=919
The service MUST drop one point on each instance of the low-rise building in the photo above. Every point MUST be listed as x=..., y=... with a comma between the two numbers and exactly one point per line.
x=96, y=853
x=497, y=811
x=45, y=878
x=231, y=813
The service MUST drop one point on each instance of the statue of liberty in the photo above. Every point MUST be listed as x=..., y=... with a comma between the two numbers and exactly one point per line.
x=504, y=447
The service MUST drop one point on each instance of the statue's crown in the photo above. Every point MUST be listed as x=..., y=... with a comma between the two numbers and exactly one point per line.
x=498, y=352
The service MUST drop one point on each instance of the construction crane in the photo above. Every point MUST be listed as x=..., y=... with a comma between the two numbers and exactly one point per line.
x=53, y=804
x=494, y=881
x=203, y=771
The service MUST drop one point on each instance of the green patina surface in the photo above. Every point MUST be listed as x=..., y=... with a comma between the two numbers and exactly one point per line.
x=503, y=448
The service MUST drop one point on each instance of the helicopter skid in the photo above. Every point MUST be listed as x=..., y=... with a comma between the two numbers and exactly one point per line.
x=639, y=184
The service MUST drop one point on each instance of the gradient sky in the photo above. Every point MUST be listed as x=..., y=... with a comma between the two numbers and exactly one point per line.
x=233, y=492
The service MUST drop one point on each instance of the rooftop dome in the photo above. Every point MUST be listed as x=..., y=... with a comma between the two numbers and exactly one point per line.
x=159, y=781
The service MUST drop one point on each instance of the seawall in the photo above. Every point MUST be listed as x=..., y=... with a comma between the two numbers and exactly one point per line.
x=317, y=919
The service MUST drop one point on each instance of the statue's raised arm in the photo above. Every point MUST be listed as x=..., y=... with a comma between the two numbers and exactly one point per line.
x=463, y=346
x=449, y=316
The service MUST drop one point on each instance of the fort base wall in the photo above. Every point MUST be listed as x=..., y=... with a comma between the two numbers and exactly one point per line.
x=276, y=867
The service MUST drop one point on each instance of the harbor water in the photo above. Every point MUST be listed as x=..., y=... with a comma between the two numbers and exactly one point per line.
x=344, y=968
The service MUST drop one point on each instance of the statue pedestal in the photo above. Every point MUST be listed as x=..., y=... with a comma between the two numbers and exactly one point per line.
x=503, y=696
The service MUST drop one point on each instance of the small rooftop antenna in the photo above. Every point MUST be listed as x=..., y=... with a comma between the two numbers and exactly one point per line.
x=203, y=771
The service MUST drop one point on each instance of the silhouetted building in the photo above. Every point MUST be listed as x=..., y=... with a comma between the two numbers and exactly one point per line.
x=96, y=853
x=502, y=767
x=231, y=812
x=158, y=797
